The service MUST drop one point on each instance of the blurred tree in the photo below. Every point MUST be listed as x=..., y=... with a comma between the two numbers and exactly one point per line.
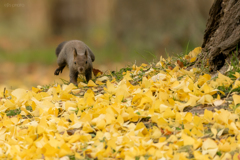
x=23, y=24
x=67, y=15
x=75, y=17
x=157, y=24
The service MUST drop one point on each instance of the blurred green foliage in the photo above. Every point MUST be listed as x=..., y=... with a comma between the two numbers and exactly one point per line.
x=45, y=56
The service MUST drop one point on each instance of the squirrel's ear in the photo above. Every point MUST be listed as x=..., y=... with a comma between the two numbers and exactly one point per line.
x=86, y=53
x=75, y=52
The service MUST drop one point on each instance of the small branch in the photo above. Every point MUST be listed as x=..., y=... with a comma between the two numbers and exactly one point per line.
x=4, y=92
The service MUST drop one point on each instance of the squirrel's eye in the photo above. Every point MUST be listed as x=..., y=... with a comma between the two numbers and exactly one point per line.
x=75, y=63
x=86, y=62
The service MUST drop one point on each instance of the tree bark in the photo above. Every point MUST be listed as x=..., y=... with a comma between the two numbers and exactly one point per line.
x=222, y=34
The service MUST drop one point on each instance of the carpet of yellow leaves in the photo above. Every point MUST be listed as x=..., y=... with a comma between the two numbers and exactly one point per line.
x=124, y=120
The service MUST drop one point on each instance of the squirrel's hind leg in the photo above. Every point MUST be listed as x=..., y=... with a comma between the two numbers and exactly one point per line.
x=58, y=70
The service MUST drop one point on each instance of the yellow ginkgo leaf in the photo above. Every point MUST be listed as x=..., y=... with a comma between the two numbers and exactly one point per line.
x=110, y=88
x=85, y=138
x=144, y=65
x=146, y=83
x=161, y=122
x=122, y=90
x=236, y=84
x=50, y=151
x=188, y=117
x=204, y=78
x=224, y=116
x=187, y=140
x=74, y=138
x=35, y=89
x=91, y=84
x=205, y=99
x=193, y=59
x=198, y=122
x=102, y=79
x=87, y=128
x=156, y=133
x=76, y=91
x=208, y=115
x=19, y=94
x=68, y=104
x=236, y=74
x=223, y=80
x=197, y=143
x=101, y=124
x=209, y=147
x=236, y=99
x=68, y=88
x=168, y=113
x=127, y=77
x=197, y=50
x=218, y=102
x=120, y=120
x=226, y=147
x=199, y=156
x=65, y=150
x=81, y=84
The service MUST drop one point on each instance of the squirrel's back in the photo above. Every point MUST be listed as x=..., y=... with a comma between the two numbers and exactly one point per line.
x=60, y=47
x=79, y=45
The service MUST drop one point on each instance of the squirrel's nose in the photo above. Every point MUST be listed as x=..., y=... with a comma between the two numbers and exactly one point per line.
x=81, y=69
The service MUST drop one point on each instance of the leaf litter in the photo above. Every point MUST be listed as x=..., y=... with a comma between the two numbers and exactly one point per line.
x=155, y=111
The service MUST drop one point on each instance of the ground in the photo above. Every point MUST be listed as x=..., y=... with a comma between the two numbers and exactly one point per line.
x=158, y=110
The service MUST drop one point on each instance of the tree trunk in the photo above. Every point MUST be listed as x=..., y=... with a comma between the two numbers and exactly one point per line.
x=222, y=34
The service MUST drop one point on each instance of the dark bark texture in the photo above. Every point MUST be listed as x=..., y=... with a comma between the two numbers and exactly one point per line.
x=222, y=34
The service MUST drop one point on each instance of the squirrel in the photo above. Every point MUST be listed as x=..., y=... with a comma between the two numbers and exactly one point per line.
x=77, y=56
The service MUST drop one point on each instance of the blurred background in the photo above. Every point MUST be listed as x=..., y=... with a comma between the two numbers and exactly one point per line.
x=119, y=32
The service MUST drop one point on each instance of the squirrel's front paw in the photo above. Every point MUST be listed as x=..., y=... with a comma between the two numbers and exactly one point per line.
x=57, y=71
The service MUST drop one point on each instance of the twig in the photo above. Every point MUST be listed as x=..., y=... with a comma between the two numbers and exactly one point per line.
x=4, y=92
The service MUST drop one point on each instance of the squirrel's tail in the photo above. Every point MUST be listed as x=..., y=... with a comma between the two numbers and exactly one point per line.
x=59, y=48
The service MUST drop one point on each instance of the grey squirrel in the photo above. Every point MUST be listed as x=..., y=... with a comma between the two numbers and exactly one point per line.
x=77, y=56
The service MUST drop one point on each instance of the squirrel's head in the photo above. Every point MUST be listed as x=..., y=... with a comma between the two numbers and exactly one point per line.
x=80, y=61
